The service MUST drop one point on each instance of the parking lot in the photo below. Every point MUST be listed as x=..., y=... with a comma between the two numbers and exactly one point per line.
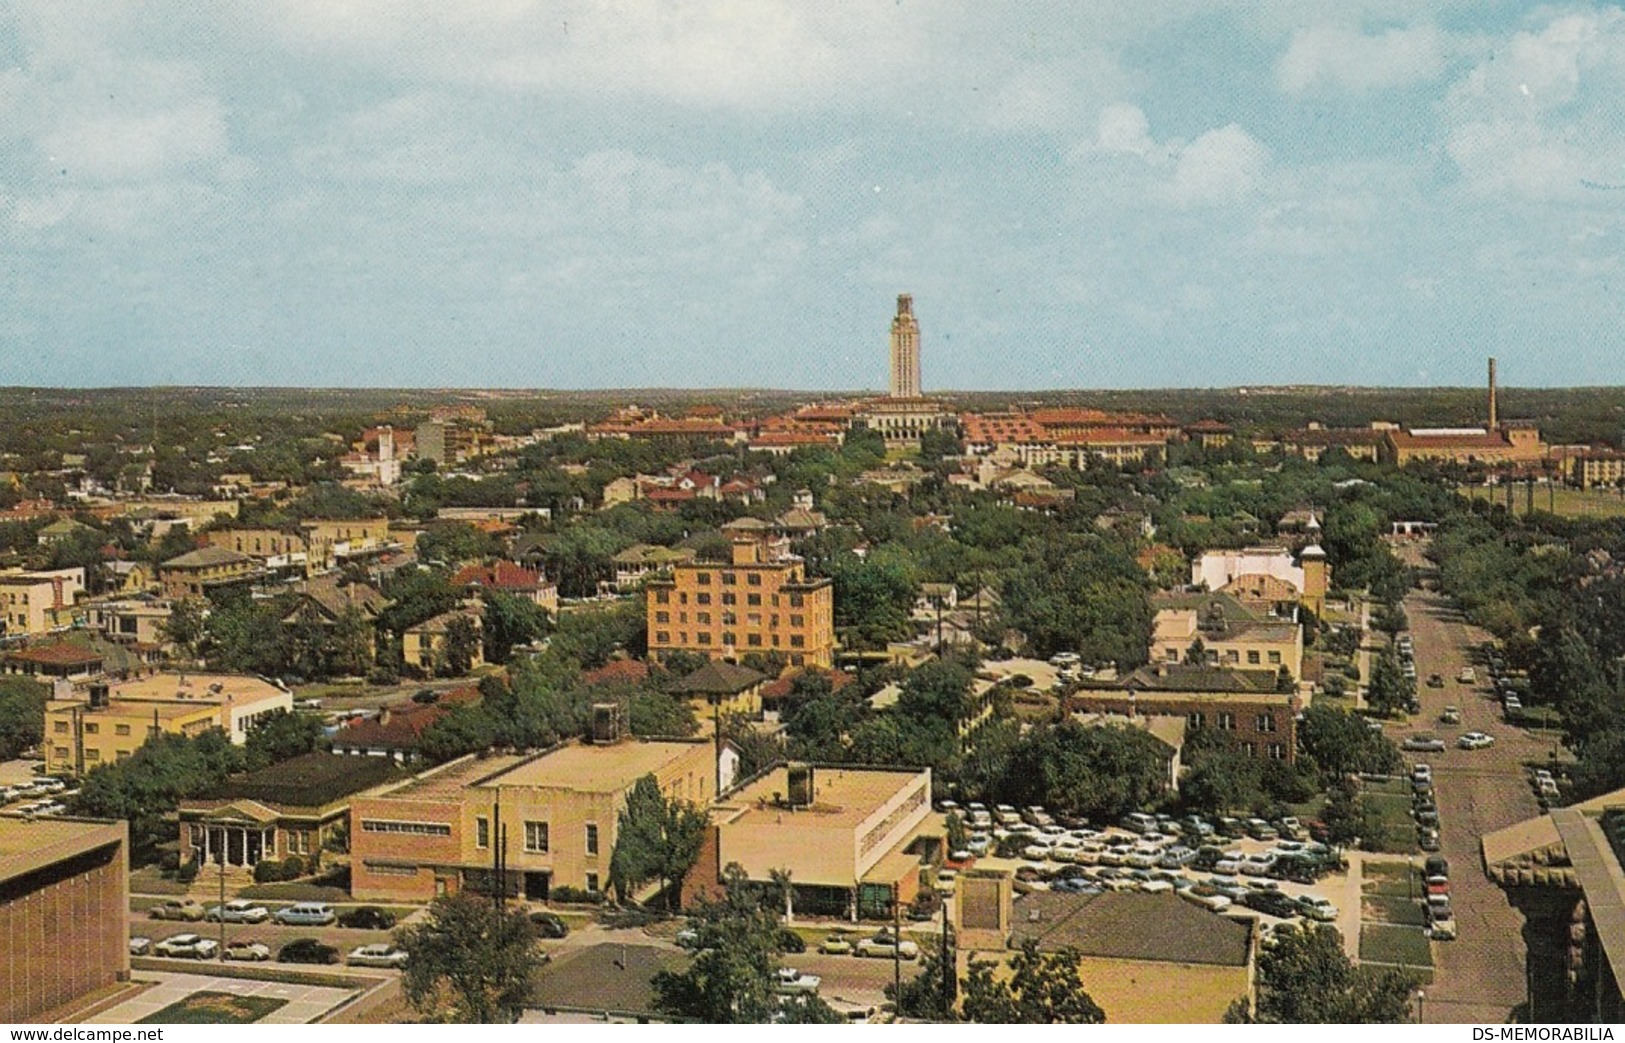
x=300, y=1004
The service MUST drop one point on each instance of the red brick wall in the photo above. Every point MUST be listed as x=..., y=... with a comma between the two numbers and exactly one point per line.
x=1245, y=711
x=63, y=933
x=399, y=849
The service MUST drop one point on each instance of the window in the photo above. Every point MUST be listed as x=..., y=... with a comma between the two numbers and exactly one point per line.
x=60, y=727
x=592, y=882
x=662, y=637
x=1232, y=656
x=536, y=836
x=419, y=829
x=703, y=617
x=91, y=727
x=1252, y=658
x=797, y=641
x=682, y=617
x=93, y=755
x=730, y=599
x=1275, y=659
x=795, y=600
x=728, y=638
x=702, y=599
x=121, y=729
x=703, y=578
x=797, y=621
x=703, y=638
x=62, y=753
x=1277, y=751
x=482, y=832
x=729, y=619
x=1266, y=722
x=1227, y=721
x=753, y=599
x=754, y=579
x=662, y=617
x=729, y=579
x=1249, y=749
x=592, y=844
x=753, y=640
x=1196, y=720
x=662, y=597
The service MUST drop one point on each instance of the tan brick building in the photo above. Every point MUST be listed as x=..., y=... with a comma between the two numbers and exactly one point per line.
x=196, y=573
x=762, y=601
x=64, y=908
x=35, y=603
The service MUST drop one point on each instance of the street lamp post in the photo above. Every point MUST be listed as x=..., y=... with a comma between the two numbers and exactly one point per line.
x=221, y=908
x=1421, y=999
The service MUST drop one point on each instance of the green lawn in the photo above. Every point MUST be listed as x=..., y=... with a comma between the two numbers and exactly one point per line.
x=1387, y=943
x=294, y=891
x=1394, y=879
x=1392, y=909
x=1570, y=503
x=1398, y=828
x=214, y=1008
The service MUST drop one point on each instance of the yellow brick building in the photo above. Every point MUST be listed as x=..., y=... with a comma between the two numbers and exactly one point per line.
x=35, y=603
x=762, y=601
x=195, y=573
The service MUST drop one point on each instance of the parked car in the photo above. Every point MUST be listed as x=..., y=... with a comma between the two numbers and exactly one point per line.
x=1467, y=676
x=1421, y=773
x=837, y=944
x=1205, y=896
x=1423, y=744
x=372, y=918
x=1441, y=926
x=1451, y=715
x=1273, y=903
x=1427, y=838
x=177, y=909
x=549, y=925
x=187, y=947
x=1475, y=741
x=1258, y=829
x=305, y=914
x=788, y=981
x=1292, y=829
x=1438, y=885
x=140, y=946
x=1230, y=887
x=247, y=949
x=307, y=950
x=380, y=954
x=1435, y=681
x=1139, y=822
x=1321, y=910
x=238, y=910
x=884, y=945
x=1258, y=864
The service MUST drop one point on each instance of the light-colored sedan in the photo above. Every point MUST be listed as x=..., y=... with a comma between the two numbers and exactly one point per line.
x=251, y=951
x=140, y=946
x=238, y=910
x=380, y=954
x=836, y=945
x=1476, y=741
x=885, y=946
x=789, y=981
x=187, y=947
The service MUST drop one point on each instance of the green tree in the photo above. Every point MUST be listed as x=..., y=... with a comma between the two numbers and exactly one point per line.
x=185, y=625
x=1390, y=691
x=471, y=963
x=22, y=715
x=281, y=735
x=510, y=620
x=1218, y=777
x=1390, y=619
x=922, y=996
x=348, y=650
x=1341, y=743
x=658, y=838
x=1043, y=989
x=731, y=980
x=1307, y=979
x=462, y=644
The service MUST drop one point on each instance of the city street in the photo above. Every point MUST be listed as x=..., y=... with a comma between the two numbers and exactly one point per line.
x=1480, y=976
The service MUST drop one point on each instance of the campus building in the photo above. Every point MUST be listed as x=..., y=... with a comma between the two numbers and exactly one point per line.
x=761, y=601
x=64, y=908
x=35, y=603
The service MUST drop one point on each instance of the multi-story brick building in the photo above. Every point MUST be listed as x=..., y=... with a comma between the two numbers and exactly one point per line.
x=761, y=601
x=196, y=573
x=34, y=603
x=64, y=907
x=1263, y=724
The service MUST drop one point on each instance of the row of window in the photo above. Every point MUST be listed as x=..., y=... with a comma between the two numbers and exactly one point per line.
x=730, y=639
x=1230, y=655
x=425, y=829
x=729, y=579
x=663, y=597
x=730, y=619
x=1264, y=722
x=536, y=837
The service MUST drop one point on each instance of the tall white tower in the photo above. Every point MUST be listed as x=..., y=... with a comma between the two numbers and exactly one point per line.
x=905, y=350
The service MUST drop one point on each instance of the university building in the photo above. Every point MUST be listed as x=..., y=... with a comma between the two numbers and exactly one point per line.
x=761, y=601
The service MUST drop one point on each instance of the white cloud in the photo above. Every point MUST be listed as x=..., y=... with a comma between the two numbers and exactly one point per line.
x=108, y=148
x=1123, y=129
x=1539, y=118
x=1222, y=165
x=1345, y=59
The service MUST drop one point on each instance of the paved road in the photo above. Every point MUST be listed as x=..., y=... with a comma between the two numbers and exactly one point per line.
x=273, y=935
x=1479, y=977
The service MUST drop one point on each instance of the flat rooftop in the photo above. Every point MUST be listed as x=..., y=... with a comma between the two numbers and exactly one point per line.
x=841, y=796
x=164, y=710
x=198, y=686
x=447, y=782
x=595, y=769
x=27, y=845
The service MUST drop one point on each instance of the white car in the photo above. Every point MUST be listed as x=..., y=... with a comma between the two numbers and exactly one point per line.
x=945, y=881
x=187, y=947
x=1317, y=909
x=140, y=946
x=238, y=910
x=837, y=944
x=380, y=954
x=789, y=981
x=1475, y=741
x=252, y=951
x=884, y=945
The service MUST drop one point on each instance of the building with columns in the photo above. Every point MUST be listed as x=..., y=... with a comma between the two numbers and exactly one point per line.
x=905, y=350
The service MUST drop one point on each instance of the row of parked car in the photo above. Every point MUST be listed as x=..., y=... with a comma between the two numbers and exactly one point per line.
x=301, y=950
x=1440, y=920
x=299, y=914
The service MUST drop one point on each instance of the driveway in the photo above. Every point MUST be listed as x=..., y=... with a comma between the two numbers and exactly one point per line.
x=1480, y=976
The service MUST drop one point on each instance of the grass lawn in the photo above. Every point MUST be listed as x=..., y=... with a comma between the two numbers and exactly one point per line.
x=294, y=891
x=1398, y=828
x=149, y=880
x=1570, y=503
x=1394, y=879
x=1387, y=943
x=214, y=1008
x=1391, y=909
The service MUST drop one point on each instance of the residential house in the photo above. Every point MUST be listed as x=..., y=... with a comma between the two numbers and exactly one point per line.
x=423, y=646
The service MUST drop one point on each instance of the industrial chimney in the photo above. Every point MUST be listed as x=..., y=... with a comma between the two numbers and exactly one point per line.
x=1493, y=420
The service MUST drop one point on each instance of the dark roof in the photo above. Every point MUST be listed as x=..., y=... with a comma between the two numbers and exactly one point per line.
x=610, y=976
x=1129, y=926
x=1233, y=608
x=57, y=654
x=719, y=678
x=311, y=780
x=617, y=670
x=333, y=599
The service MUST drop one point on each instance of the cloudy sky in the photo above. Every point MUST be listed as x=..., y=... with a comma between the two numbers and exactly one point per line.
x=602, y=194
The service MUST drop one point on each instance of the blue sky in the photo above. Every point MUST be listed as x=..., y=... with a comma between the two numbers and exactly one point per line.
x=1078, y=194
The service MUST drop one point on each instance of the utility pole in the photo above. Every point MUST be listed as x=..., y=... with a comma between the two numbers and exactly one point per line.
x=221, y=955
x=897, y=948
x=950, y=972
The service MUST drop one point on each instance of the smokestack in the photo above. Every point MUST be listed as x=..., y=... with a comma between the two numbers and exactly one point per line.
x=1493, y=419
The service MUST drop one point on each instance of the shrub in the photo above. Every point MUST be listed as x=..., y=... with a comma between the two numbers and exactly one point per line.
x=267, y=871
x=293, y=867
x=187, y=871
x=574, y=895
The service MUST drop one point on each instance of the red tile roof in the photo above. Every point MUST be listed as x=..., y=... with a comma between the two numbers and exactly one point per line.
x=58, y=654
x=617, y=670
x=504, y=575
